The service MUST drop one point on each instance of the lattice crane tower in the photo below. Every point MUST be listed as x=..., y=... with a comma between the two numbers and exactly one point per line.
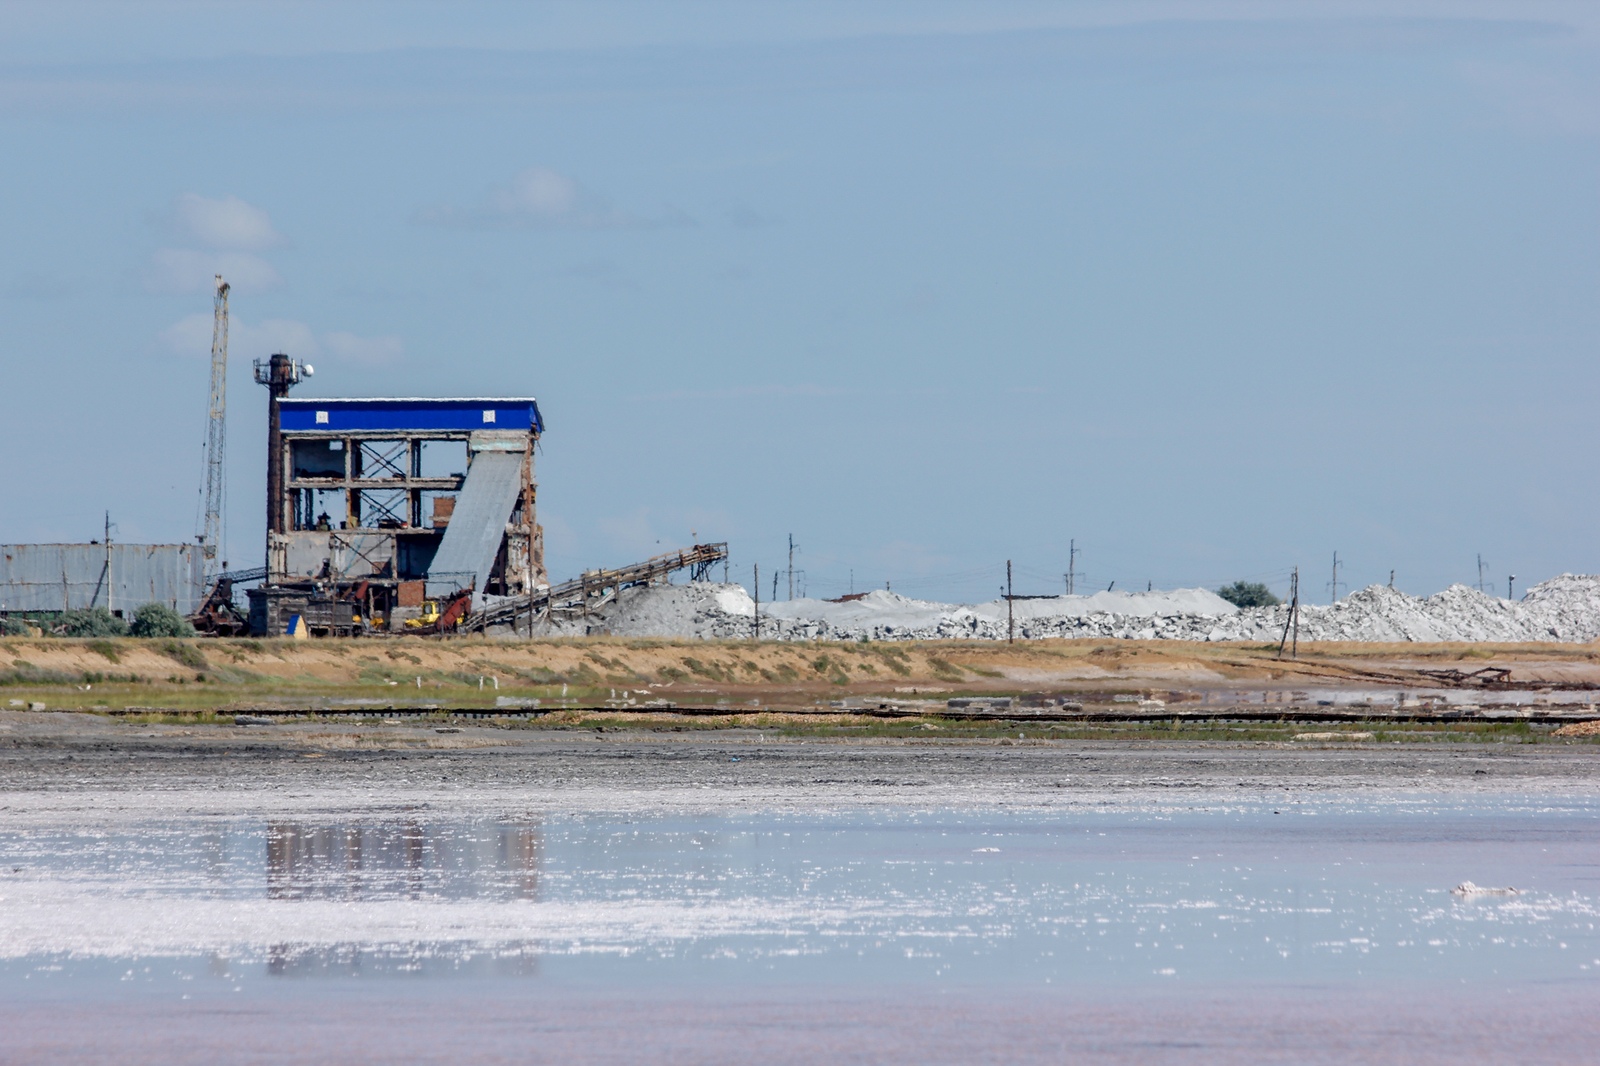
x=216, y=429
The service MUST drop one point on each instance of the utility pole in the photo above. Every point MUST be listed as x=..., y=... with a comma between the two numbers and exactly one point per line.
x=755, y=583
x=1509, y=580
x=1480, y=571
x=1391, y=579
x=1294, y=613
x=1072, y=567
x=532, y=592
x=1333, y=586
x=110, y=588
x=1293, y=621
x=791, y=567
x=1011, y=615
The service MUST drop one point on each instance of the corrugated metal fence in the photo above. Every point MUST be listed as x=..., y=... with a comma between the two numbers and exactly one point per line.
x=121, y=577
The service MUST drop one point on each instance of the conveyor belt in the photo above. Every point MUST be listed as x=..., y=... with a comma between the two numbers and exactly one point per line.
x=472, y=540
x=697, y=560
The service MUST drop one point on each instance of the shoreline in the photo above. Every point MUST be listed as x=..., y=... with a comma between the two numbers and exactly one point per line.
x=72, y=777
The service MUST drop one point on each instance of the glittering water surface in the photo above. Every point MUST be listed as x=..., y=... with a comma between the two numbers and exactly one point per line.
x=1172, y=905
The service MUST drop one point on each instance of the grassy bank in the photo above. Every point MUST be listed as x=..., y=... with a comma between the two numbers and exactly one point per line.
x=625, y=674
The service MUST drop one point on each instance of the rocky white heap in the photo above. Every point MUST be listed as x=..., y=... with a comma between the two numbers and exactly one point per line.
x=1565, y=608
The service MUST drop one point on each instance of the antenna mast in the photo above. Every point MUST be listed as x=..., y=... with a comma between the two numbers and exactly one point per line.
x=216, y=429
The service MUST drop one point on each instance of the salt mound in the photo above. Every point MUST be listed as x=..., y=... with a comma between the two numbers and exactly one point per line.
x=1130, y=604
x=878, y=607
x=1380, y=613
x=1565, y=608
x=698, y=609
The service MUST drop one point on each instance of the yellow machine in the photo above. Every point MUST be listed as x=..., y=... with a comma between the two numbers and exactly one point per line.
x=430, y=615
x=441, y=616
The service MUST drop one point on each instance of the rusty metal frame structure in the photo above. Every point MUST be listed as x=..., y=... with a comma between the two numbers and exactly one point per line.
x=388, y=505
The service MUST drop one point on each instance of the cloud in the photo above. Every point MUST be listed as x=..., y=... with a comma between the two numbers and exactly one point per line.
x=271, y=335
x=176, y=271
x=191, y=336
x=367, y=351
x=537, y=192
x=541, y=198
x=228, y=224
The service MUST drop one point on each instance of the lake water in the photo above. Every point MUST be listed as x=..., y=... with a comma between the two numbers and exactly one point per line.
x=1309, y=931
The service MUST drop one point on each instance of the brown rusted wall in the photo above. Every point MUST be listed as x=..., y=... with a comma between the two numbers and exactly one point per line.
x=443, y=508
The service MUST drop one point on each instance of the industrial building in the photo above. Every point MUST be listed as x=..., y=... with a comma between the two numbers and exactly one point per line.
x=372, y=505
x=365, y=514
x=41, y=579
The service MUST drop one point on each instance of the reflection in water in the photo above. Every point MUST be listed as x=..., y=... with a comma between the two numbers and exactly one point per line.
x=517, y=959
x=406, y=860
x=1330, y=891
x=412, y=860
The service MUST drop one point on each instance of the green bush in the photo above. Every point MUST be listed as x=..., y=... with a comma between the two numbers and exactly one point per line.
x=159, y=620
x=13, y=627
x=186, y=654
x=106, y=648
x=91, y=622
x=1248, y=594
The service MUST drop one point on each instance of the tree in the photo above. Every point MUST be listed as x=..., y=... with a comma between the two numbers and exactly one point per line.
x=1248, y=594
x=91, y=622
x=159, y=620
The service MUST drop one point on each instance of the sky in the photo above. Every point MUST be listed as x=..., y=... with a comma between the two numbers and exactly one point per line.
x=1204, y=290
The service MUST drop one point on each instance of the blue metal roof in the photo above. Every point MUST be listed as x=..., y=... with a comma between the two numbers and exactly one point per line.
x=399, y=414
